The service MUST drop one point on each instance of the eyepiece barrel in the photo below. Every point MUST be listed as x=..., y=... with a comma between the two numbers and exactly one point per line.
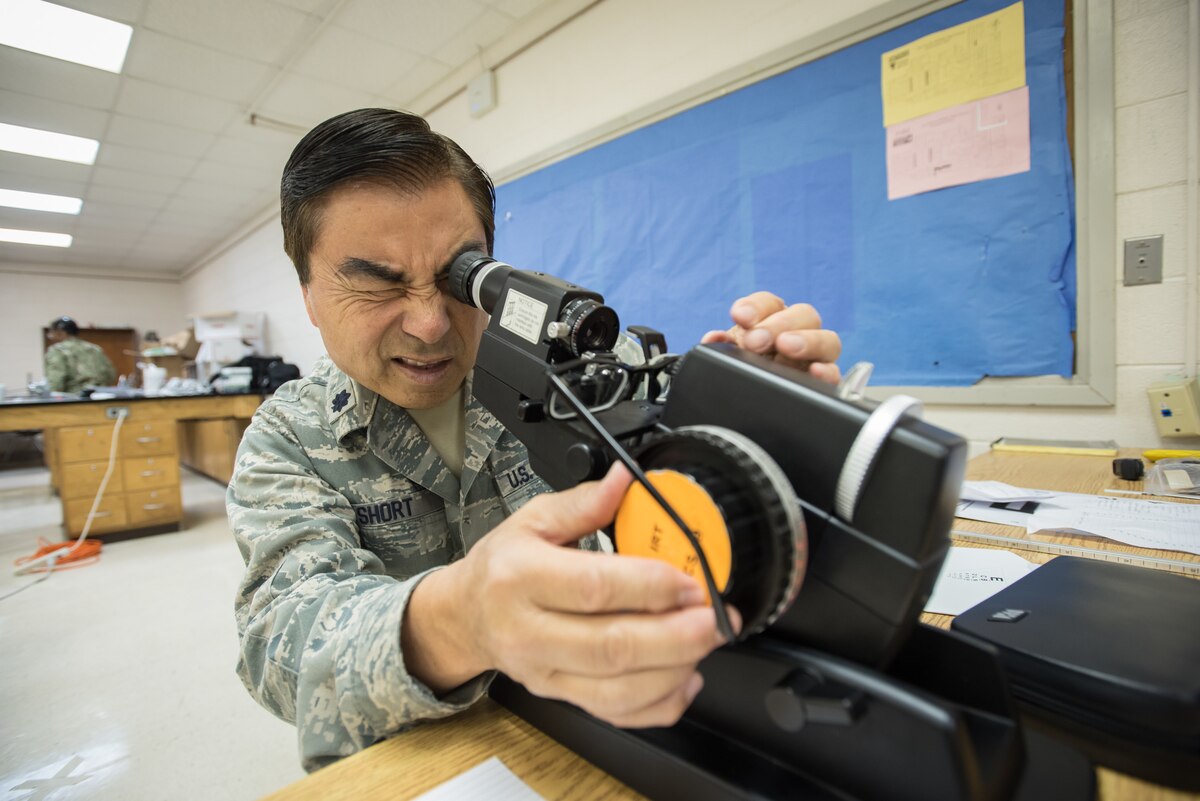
x=477, y=279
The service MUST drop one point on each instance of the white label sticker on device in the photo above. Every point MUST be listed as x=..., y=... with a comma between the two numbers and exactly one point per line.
x=523, y=315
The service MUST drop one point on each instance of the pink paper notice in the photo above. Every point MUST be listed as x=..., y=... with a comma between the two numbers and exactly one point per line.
x=982, y=139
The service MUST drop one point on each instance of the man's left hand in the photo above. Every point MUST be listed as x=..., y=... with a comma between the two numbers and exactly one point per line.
x=764, y=324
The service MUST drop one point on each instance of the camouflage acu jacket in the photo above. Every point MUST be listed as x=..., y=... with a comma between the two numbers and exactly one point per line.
x=74, y=364
x=340, y=506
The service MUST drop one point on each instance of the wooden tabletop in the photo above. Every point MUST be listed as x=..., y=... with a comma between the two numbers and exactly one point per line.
x=432, y=753
x=18, y=416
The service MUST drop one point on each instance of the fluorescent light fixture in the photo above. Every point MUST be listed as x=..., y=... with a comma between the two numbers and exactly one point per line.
x=65, y=33
x=35, y=238
x=47, y=144
x=36, y=201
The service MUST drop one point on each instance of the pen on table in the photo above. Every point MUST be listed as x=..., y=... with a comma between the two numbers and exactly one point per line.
x=1155, y=494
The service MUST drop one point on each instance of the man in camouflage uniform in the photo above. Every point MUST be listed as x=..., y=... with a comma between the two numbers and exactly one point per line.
x=72, y=363
x=396, y=554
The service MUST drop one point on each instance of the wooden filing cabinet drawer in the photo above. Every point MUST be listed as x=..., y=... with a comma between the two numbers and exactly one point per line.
x=151, y=438
x=109, y=516
x=82, y=479
x=84, y=443
x=150, y=472
x=153, y=506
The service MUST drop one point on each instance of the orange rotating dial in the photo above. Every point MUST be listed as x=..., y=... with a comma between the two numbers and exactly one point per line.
x=643, y=528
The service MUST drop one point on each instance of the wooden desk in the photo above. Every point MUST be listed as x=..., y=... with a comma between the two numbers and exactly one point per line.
x=432, y=753
x=144, y=489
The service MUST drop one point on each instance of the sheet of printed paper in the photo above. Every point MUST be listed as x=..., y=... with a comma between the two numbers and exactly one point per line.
x=976, y=59
x=1147, y=524
x=490, y=779
x=974, y=141
x=970, y=576
x=998, y=491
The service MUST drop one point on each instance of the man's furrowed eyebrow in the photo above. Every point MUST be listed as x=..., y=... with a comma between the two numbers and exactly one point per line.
x=354, y=266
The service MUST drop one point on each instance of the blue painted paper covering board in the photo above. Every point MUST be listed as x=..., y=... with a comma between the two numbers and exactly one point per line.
x=782, y=186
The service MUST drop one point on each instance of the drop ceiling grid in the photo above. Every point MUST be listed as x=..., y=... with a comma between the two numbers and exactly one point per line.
x=180, y=168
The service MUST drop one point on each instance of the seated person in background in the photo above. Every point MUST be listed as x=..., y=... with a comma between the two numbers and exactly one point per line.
x=72, y=363
x=391, y=564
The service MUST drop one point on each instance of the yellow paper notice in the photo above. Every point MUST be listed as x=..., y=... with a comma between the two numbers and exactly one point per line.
x=976, y=59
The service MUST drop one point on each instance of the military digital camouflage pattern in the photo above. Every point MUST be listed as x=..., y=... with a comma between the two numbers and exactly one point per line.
x=74, y=364
x=340, y=506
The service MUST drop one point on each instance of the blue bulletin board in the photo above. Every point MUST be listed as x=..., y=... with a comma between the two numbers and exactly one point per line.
x=782, y=185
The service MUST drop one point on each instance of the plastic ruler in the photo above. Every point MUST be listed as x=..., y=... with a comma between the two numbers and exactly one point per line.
x=1060, y=549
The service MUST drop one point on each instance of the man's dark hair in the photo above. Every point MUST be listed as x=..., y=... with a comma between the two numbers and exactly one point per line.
x=372, y=145
x=65, y=324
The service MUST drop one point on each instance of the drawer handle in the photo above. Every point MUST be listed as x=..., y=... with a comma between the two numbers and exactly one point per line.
x=102, y=514
x=148, y=473
x=145, y=440
x=153, y=507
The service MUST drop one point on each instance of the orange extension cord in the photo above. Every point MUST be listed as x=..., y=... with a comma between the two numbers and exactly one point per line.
x=80, y=554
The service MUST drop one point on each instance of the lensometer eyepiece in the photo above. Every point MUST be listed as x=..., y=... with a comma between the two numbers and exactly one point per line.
x=476, y=279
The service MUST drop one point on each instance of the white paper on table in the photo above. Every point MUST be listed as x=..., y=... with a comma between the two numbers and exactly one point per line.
x=490, y=779
x=1006, y=514
x=1146, y=524
x=970, y=576
x=999, y=492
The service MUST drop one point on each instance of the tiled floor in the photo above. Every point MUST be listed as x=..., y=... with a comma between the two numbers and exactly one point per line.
x=116, y=680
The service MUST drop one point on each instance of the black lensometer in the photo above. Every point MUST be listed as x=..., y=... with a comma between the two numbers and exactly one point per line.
x=822, y=518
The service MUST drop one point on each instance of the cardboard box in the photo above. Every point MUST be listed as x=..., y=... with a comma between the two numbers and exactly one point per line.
x=185, y=343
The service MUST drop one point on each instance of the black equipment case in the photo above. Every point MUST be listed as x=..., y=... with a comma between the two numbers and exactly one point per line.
x=1107, y=657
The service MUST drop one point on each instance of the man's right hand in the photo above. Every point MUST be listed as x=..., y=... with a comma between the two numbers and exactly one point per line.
x=618, y=636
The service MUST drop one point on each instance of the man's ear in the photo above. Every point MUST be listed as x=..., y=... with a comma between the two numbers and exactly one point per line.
x=312, y=317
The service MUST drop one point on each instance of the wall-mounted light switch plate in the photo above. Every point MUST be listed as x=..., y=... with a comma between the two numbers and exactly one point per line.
x=1143, y=260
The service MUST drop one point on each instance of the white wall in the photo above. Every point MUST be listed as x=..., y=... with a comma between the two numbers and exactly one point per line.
x=622, y=55
x=31, y=296
x=255, y=275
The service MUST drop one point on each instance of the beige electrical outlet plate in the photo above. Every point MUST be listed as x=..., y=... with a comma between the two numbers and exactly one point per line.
x=1175, y=405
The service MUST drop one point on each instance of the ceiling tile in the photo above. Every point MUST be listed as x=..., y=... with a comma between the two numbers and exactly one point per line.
x=314, y=7
x=125, y=197
x=111, y=239
x=517, y=9
x=151, y=101
x=266, y=158
x=173, y=62
x=31, y=254
x=464, y=46
x=188, y=223
x=263, y=31
x=427, y=72
x=39, y=168
x=158, y=137
x=133, y=158
x=55, y=79
x=127, y=11
x=234, y=175
x=35, y=183
x=263, y=135
x=98, y=214
x=414, y=25
x=36, y=220
x=353, y=60
x=51, y=115
x=132, y=179
x=208, y=202
x=308, y=101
